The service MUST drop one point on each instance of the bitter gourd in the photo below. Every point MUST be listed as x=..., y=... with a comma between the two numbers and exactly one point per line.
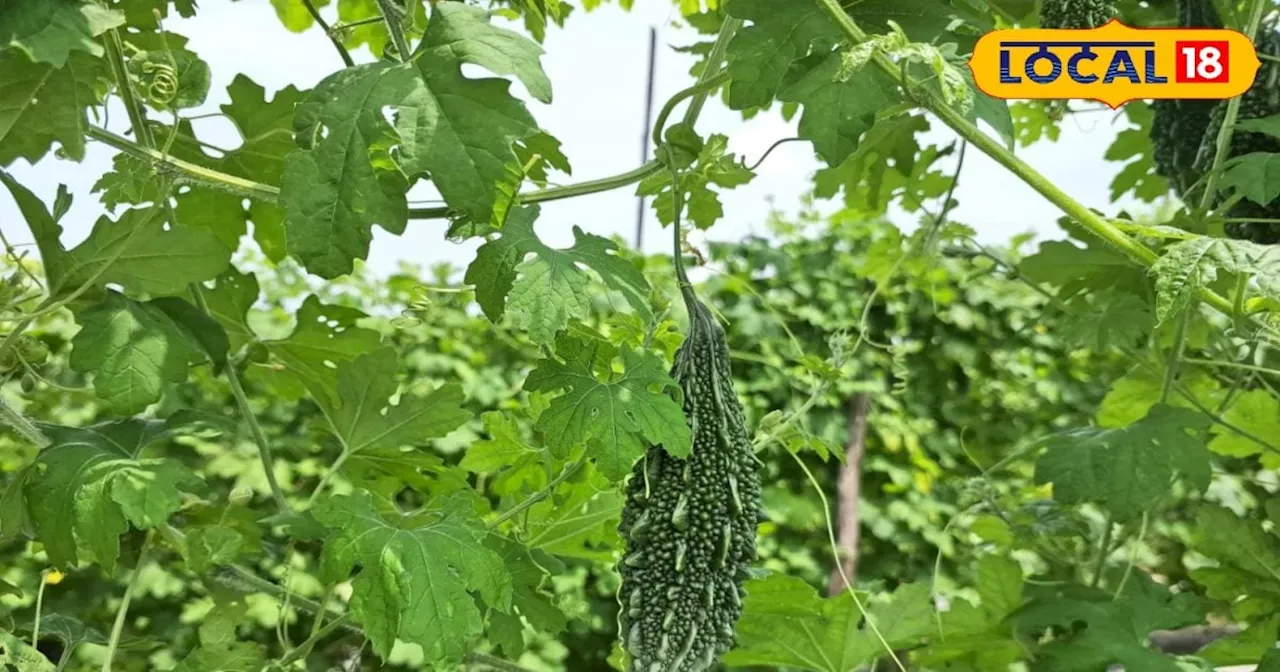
x=1177, y=126
x=690, y=523
x=1261, y=100
x=1076, y=14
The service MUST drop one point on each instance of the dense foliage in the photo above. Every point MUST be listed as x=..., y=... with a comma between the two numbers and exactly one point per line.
x=968, y=458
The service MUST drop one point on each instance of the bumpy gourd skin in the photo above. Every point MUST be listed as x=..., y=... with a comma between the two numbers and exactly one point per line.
x=1262, y=100
x=690, y=524
x=1177, y=126
x=1076, y=14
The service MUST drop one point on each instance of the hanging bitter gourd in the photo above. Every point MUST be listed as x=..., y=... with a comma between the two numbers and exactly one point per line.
x=1177, y=126
x=690, y=523
x=1261, y=100
x=1076, y=14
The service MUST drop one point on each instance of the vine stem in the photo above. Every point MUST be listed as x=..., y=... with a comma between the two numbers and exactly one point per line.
x=1096, y=224
x=255, y=428
x=831, y=534
x=324, y=25
x=122, y=612
x=495, y=663
x=21, y=425
x=539, y=495
x=1104, y=550
x=1229, y=119
x=304, y=649
x=391, y=15
x=205, y=176
x=1231, y=365
x=137, y=119
x=702, y=87
x=35, y=621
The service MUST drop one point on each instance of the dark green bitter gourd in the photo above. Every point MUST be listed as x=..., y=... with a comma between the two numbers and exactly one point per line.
x=1177, y=126
x=690, y=523
x=1076, y=14
x=1261, y=100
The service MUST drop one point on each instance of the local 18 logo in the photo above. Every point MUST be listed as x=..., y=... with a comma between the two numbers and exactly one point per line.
x=1114, y=64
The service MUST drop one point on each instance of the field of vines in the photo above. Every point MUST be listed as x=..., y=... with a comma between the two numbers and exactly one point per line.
x=861, y=437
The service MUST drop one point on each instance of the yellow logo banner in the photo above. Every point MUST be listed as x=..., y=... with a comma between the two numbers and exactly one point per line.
x=1114, y=64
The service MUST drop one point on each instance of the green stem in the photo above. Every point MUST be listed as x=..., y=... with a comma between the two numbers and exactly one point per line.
x=539, y=495
x=35, y=622
x=495, y=663
x=341, y=26
x=392, y=15
x=137, y=114
x=255, y=428
x=337, y=43
x=21, y=425
x=122, y=612
x=328, y=476
x=558, y=193
x=1229, y=120
x=1094, y=223
x=1231, y=365
x=147, y=146
x=835, y=554
x=1104, y=550
x=703, y=87
x=198, y=174
x=304, y=649
x=719, y=50
x=1175, y=353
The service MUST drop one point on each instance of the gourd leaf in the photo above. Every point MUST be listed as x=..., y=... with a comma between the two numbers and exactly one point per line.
x=1115, y=628
x=579, y=520
x=363, y=418
x=1128, y=471
x=90, y=484
x=136, y=251
x=615, y=415
x=419, y=574
x=135, y=349
x=1189, y=266
x=544, y=292
x=459, y=131
x=325, y=336
x=48, y=32
x=1247, y=557
x=504, y=448
x=785, y=623
x=41, y=104
x=1257, y=413
x=714, y=166
x=219, y=650
x=334, y=191
x=18, y=655
x=1256, y=176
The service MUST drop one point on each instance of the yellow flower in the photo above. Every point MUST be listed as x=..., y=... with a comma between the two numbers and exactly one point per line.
x=53, y=577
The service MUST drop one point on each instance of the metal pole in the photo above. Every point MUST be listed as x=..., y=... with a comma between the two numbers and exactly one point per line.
x=646, y=132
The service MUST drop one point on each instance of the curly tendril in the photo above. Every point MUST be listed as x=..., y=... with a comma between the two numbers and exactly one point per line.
x=162, y=88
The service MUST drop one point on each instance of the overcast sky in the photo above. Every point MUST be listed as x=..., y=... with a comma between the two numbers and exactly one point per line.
x=597, y=65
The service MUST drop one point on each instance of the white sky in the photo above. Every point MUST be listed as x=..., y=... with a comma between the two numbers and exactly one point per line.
x=597, y=66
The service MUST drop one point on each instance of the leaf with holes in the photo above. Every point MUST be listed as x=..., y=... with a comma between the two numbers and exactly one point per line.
x=1128, y=471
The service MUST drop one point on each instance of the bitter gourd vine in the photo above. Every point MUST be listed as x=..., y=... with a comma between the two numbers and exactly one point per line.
x=1184, y=133
x=1076, y=14
x=690, y=523
x=1178, y=126
x=1262, y=100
